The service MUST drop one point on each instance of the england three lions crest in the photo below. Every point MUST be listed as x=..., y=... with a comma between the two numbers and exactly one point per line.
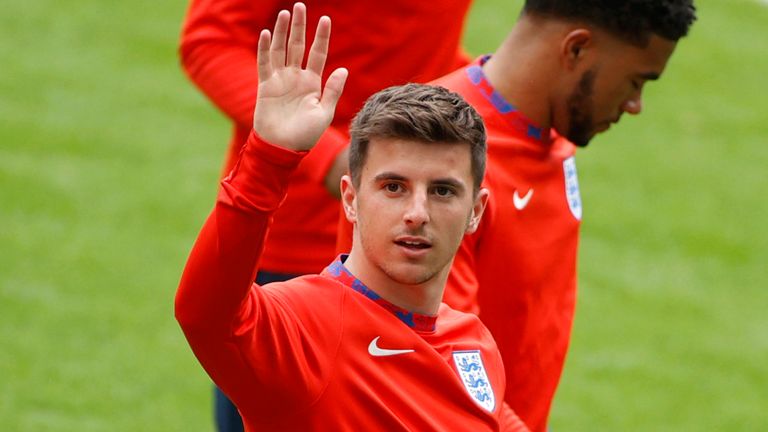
x=572, y=187
x=475, y=379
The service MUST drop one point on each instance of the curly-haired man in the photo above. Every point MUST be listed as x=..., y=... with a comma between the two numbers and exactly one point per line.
x=566, y=71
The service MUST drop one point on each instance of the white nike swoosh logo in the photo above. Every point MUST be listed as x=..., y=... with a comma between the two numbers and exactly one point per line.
x=374, y=350
x=521, y=203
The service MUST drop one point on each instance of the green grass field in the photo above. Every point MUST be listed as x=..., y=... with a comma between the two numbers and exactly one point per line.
x=108, y=165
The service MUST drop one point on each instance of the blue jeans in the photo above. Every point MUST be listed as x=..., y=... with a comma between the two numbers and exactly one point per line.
x=225, y=412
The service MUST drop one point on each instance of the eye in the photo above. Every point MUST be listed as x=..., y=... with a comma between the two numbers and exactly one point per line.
x=443, y=191
x=393, y=187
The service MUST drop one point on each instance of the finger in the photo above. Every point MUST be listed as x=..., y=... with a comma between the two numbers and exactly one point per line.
x=296, y=40
x=262, y=54
x=277, y=49
x=319, y=51
x=333, y=89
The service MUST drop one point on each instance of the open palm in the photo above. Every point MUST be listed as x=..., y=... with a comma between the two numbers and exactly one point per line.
x=292, y=107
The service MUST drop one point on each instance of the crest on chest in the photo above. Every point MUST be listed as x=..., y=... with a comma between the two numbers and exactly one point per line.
x=473, y=375
x=572, y=187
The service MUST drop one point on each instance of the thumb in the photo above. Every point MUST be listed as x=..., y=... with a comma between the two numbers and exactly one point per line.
x=334, y=86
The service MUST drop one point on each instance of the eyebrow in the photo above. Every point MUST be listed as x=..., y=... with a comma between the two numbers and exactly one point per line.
x=388, y=176
x=449, y=182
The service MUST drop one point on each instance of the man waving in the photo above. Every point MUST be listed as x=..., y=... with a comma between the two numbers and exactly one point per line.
x=366, y=344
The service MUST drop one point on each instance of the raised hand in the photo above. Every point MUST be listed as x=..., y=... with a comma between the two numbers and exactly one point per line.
x=292, y=108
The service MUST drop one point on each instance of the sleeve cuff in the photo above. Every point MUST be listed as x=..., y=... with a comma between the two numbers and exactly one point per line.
x=263, y=172
x=273, y=154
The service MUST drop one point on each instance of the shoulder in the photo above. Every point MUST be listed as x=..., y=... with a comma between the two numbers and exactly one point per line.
x=467, y=324
x=450, y=315
x=467, y=333
x=305, y=287
x=456, y=81
x=310, y=293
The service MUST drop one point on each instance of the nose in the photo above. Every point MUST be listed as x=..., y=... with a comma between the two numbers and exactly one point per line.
x=417, y=213
x=633, y=105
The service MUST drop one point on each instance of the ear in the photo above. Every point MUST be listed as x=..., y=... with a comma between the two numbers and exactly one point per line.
x=574, y=47
x=349, y=199
x=477, y=210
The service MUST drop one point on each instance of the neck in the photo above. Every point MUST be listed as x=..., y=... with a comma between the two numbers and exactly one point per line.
x=422, y=298
x=521, y=70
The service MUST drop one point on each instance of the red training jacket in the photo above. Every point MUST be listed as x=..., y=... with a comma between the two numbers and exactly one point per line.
x=325, y=352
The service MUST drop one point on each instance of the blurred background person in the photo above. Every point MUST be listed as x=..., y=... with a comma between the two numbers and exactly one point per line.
x=380, y=43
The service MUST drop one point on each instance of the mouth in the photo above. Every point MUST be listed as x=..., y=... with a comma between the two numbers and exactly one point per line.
x=413, y=243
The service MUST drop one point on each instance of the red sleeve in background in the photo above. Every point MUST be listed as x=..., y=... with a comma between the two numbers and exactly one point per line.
x=461, y=288
x=323, y=155
x=218, y=51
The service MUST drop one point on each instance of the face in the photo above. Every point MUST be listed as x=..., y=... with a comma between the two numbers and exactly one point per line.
x=412, y=208
x=612, y=84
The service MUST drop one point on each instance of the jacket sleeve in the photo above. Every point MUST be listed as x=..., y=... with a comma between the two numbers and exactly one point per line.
x=245, y=336
x=222, y=264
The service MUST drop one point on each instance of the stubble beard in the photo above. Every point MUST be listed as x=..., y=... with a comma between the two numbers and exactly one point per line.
x=415, y=277
x=416, y=273
x=580, y=110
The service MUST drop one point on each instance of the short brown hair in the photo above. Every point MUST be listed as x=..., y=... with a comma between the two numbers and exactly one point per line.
x=421, y=113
